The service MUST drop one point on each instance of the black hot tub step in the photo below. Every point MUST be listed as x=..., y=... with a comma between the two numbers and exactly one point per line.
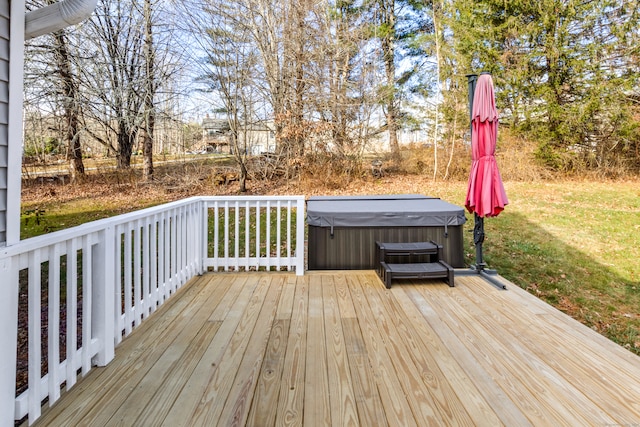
x=417, y=270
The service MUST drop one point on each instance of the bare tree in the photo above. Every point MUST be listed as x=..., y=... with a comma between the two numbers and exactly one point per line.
x=387, y=24
x=51, y=72
x=69, y=86
x=227, y=71
x=150, y=91
x=341, y=86
x=113, y=77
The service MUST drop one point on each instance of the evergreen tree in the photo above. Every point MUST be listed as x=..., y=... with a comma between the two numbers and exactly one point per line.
x=558, y=68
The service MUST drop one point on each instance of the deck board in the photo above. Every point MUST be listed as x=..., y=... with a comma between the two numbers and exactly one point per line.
x=337, y=348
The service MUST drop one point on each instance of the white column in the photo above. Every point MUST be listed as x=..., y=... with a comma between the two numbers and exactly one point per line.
x=103, y=310
x=300, y=237
x=14, y=167
x=8, y=340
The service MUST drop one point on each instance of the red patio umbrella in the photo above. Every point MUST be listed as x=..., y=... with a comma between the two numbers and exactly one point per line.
x=485, y=193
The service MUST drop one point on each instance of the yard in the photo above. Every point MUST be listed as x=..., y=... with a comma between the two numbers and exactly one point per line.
x=574, y=244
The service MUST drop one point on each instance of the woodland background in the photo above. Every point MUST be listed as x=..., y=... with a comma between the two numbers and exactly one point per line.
x=335, y=78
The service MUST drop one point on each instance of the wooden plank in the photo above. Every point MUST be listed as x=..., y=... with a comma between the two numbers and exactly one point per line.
x=131, y=377
x=238, y=401
x=456, y=398
x=368, y=402
x=341, y=395
x=222, y=310
x=291, y=397
x=345, y=302
x=152, y=398
x=143, y=346
x=316, y=386
x=192, y=401
x=285, y=306
x=542, y=345
x=516, y=377
x=422, y=404
x=592, y=342
x=482, y=388
x=397, y=410
x=154, y=395
x=265, y=401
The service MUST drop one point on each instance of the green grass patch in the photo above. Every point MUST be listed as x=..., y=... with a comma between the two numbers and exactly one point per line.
x=253, y=240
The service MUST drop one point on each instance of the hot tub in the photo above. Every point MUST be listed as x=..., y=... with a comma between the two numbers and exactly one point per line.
x=343, y=230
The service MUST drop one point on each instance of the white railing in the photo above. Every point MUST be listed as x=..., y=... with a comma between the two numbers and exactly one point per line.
x=90, y=286
x=238, y=242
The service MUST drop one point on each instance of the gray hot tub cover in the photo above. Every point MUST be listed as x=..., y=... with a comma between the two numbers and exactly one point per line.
x=405, y=210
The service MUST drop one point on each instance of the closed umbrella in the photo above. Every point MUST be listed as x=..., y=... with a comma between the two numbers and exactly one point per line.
x=485, y=193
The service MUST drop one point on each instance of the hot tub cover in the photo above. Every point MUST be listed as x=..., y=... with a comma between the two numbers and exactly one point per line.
x=405, y=210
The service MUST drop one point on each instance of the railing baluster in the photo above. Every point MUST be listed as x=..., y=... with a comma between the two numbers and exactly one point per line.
x=216, y=237
x=72, y=311
x=226, y=236
x=278, y=235
x=188, y=242
x=174, y=252
x=120, y=310
x=179, y=247
x=153, y=263
x=146, y=280
x=166, y=258
x=267, y=243
x=258, y=252
x=35, y=338
x=203, y=232
x=86, y=304
x=129, y=306
x=137, y=282
x=236, y=235
x=247, y=234
x=53, y=323
x=289, y=257
x=161, y=255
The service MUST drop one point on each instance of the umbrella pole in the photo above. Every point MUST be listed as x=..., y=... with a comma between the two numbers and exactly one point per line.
x=478, y=239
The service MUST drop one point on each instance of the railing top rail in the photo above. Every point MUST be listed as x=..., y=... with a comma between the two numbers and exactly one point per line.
x=102, y=224
x=250, y=198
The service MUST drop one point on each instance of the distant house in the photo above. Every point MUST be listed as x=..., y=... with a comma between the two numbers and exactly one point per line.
x=216, y=135
x=258, y=138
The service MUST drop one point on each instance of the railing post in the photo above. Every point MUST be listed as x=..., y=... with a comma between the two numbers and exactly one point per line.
x=203, y=236
x=8, y=340
x=103, y=292
x=300, y=217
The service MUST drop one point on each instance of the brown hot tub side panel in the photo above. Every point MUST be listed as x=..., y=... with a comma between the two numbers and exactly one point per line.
x=353, y=248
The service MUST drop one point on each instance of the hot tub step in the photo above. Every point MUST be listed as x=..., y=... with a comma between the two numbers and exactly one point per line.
x=417, y=270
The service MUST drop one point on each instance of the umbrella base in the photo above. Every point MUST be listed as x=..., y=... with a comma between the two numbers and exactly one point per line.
x=487, y=274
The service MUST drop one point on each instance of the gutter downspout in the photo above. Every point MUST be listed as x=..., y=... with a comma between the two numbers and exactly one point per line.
x=57, y=16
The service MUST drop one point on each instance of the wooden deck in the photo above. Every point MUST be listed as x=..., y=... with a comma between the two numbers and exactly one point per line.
x=337, y=348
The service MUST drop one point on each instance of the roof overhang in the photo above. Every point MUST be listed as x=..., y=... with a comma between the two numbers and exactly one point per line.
x=57, y=16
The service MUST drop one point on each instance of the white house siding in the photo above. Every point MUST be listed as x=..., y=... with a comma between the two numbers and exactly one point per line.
x=4, y=116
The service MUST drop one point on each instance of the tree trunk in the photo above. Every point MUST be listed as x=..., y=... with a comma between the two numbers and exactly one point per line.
x=243, y=177
x=125, y=148
x=388, y=53
x=436, y=21
x=70, y=105
x=149, y=96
